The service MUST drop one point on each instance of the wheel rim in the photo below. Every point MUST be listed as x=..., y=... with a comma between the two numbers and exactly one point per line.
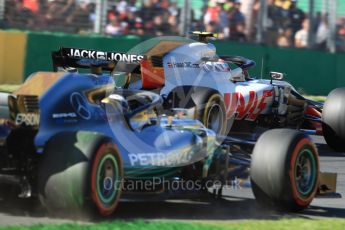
x=107, y=179
x=215, y=118
x=305, y=172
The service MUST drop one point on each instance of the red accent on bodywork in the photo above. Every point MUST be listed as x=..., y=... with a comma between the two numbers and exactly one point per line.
x=152, y=77
x=254, y=106
x=268, y=93
x=317, y=125
x=255, y=103
x=243, y=109
x=262, y=105
x=313, y=112
x=230, y=100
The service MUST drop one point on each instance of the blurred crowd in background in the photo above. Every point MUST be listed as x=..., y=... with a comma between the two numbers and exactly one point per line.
x=151, y=17
x=49, y=15
x=286, y=25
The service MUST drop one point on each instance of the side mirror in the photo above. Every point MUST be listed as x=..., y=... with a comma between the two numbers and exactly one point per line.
x=276, y=76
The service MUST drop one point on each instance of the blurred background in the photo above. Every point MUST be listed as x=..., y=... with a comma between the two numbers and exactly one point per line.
x=311, y=24
x=303, y=38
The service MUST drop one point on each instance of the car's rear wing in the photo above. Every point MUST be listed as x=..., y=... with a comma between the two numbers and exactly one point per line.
x=85, y=58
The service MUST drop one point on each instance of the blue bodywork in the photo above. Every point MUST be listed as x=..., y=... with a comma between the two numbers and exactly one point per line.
x=64, y=107
x=4, y=131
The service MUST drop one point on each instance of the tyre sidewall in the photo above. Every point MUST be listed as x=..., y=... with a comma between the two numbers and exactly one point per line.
x=64, y=173
x=105, y=148
x=299, y=201
x=273, y=168
x=333, y=119
x=203, y=109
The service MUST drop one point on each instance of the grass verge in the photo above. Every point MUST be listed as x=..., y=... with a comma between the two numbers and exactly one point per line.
x=283, y=224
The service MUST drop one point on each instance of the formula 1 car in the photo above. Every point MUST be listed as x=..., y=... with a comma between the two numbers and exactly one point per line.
x=76, y=141
x=217, y=90
x=70, y=143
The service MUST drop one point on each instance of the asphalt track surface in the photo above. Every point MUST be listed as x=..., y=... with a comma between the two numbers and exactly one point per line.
x=238, y=204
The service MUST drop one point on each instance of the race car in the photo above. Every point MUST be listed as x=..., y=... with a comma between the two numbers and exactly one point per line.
x=218, y=90
x=77, y=140
x=71, y=138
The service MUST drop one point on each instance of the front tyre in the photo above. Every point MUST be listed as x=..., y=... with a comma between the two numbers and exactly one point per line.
x=80, y=173
x=333, y=120
x=285, y=170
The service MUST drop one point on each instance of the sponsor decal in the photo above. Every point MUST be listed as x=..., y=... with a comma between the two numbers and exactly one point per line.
x=215, y=67
x=28, y=119
x=100, y=55
x=79, y=104
x=159, y=159
x=250, y=110
x=64, y=115
x=183, y=65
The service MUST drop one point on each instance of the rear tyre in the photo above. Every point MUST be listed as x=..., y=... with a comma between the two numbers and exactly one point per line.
x=210, y=110
x=284, y=170
x=202, y=103
x=80, y=173
x=333, y=120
